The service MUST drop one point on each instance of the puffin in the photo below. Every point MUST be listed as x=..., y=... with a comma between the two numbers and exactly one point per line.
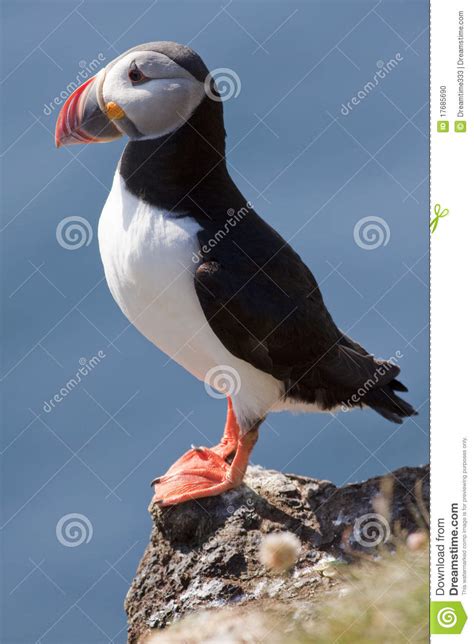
x=197, y=271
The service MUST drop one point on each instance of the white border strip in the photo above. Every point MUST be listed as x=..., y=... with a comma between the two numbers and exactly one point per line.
x=452, y=316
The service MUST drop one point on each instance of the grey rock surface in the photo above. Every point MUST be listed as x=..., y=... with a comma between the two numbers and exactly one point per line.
x=205, y=554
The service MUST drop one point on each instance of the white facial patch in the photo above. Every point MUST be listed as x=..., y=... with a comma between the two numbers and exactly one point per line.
x=156, y=106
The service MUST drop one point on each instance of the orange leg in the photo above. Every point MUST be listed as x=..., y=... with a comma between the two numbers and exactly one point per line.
x=230, y=438
x=204, y=472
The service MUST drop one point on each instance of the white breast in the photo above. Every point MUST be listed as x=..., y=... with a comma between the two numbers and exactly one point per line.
x=148, y=262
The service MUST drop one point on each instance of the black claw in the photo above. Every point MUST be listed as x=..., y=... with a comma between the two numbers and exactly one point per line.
x=155, y=481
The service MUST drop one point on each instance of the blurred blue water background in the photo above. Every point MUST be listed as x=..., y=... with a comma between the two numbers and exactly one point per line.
x=135, y=412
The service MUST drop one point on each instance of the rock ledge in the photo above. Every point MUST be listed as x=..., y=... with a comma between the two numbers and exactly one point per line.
x=204, y=554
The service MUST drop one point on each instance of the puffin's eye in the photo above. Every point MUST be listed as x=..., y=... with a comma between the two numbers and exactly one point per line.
x=135, y=75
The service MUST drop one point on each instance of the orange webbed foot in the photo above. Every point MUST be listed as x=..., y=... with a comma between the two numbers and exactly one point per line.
x=204, y=471
x=197, y=474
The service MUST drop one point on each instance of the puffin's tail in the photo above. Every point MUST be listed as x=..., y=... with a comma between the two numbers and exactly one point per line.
x=385, y=401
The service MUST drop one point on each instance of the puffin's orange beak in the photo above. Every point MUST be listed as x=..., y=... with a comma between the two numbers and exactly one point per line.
x=81, y=119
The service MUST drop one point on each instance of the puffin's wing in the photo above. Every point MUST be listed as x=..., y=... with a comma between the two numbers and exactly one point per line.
x=274, y=317
x=238, y=311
